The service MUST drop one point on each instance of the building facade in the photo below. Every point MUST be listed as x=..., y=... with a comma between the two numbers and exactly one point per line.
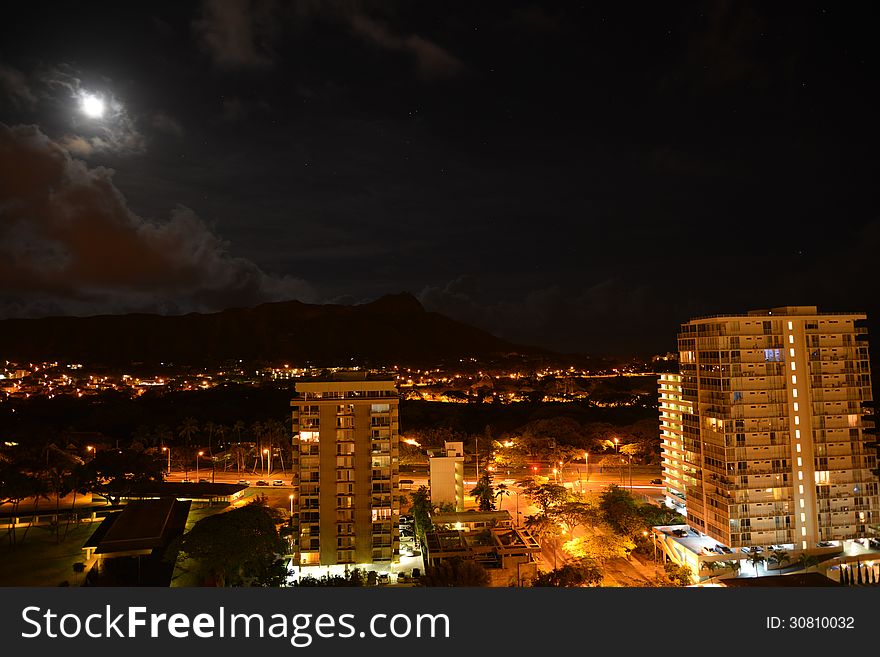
x=672, y=410
x=447, y=476
x=774, y=415
x=346, y=497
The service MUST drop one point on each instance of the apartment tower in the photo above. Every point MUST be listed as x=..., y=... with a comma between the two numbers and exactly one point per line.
x=345, y=441
x=672, y=410
x=768, y=434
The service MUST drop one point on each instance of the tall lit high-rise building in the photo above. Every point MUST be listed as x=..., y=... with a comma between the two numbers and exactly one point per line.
x=766, y=428
x=345, y=438
x=672, y=410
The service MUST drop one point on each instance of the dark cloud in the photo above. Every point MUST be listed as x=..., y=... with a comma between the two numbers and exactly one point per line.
x=69, y=244
x=238, y=35
x=15, y=88
x=432, y=60
x=167, y=124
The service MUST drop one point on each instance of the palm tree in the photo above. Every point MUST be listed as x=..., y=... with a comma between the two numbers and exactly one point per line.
x=711, y=566
x=501, y=492
x=756, y=559
x=735, y=566
x=187, y=429
x=210, y=427
x=484, y=493
x=806, y=561
x=780, y=557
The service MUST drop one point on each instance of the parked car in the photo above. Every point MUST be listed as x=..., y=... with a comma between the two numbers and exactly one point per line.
x=406, y=518
x=824, y=544
x=707, y=550
x=262, y=483
x=277, y=482
x=244, y=482
x=186, y=481
x=723, y=549
x=680, y=532
x=204, y=481
x=383, y=579
x=874, y=542
x=657, y=481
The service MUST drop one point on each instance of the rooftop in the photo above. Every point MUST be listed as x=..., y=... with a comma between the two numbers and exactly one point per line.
x=142, y=526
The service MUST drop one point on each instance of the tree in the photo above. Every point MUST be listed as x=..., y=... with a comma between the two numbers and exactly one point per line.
x=678, y=575
x=15, y=487
x=583, y=573
x=355, y=577
x=58, y=471
x=456, y=572
x=542, y=526
x=712, y=566
x=114, y=473
x=240, y=547
x=501, y=492
x=484, y=493
x=421, y=510
x=187, y=429
x=601, y=547
x=756, y=559
x=780, y=557
x=576, y=513
x=621, y=511
x=546, y=496
x=805, y=562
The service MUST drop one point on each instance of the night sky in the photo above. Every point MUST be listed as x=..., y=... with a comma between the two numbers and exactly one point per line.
x=579, y=176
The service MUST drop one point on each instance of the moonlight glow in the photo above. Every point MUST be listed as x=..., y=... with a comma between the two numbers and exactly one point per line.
x=92, y=106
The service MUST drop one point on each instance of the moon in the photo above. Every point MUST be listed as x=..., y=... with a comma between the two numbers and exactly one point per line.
x=92, y=106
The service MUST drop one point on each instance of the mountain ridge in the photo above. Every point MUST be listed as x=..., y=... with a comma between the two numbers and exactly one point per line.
x=393, y=328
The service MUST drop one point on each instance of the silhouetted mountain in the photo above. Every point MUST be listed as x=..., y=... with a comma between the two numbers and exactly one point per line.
x=393, y=329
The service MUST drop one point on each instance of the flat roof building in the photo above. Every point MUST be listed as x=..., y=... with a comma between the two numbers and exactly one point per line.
x=447, y=476
x=346, y=495
x=767, y=429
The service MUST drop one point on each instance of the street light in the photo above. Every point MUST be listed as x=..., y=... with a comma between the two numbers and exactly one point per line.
x=617, y=445
x=556, y=475
x=168, y=449
x=290, y=497
x=198, y=454
x=266, y=451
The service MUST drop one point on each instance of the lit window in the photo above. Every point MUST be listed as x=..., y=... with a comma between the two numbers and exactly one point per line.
x=793, y=367
x=798, y=448
x=790, y=326
x=796, y=407
x=797, y=434
x=800, y=475
x=803, y=545
x=803, y=517
x=800, y=462
x=797, y=419
x=794, y=392
x=790, y=339
x=803, y=531
x=802, y=502
x=801, y=489
x=791, y=352
x=793, y=378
